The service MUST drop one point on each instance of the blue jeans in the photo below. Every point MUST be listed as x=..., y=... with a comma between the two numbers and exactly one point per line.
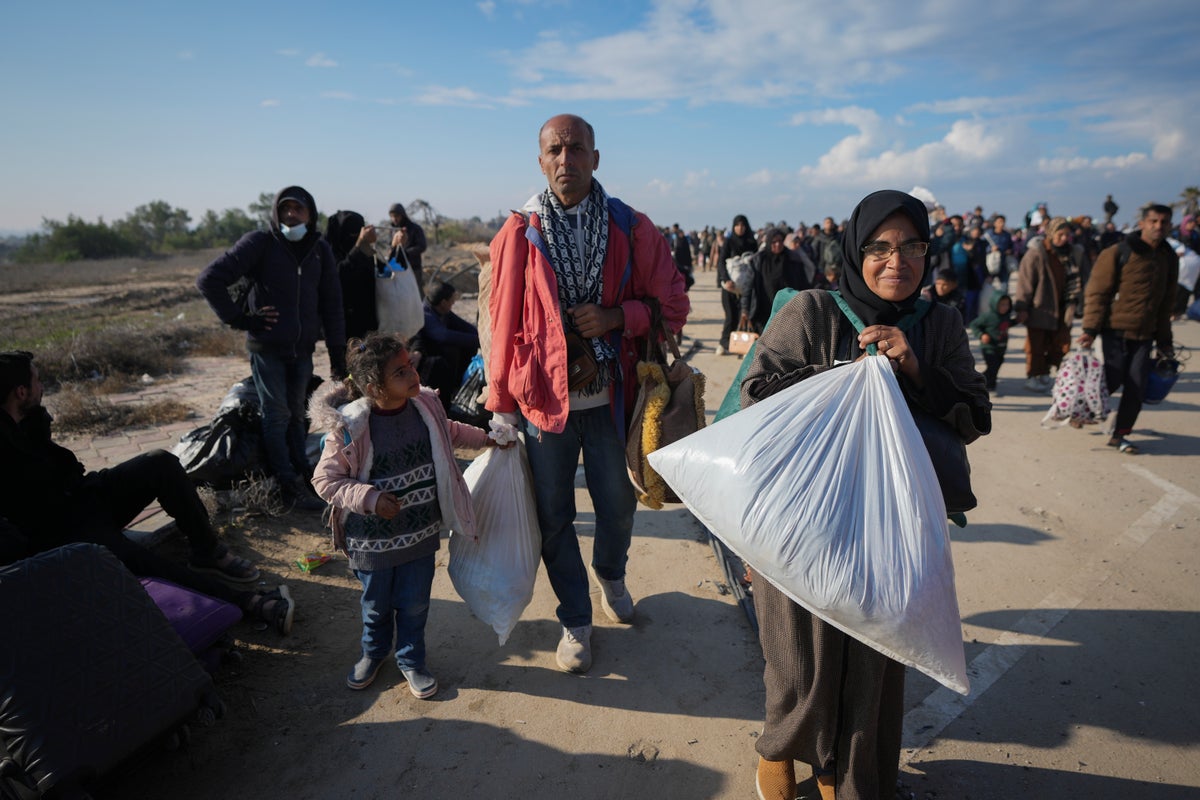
x=553, y=458
x=395, y=606
x=282, y=385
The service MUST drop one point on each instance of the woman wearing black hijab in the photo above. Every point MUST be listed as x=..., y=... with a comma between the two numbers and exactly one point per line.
x=832, y=701
x=740, y=241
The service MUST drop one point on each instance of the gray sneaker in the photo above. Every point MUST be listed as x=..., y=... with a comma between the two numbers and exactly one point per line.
x=575, y=649
x=363, y=673
x=420, y=682
x=615, y=600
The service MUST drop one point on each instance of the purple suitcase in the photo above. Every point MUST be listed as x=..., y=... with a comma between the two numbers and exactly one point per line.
x=201, y=621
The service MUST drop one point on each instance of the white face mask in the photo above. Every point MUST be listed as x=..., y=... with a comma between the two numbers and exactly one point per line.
x=294, y=234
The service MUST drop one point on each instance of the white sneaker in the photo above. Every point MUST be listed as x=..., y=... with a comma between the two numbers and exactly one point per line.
x=615, y=600
x=575, y=649
x=721, y=350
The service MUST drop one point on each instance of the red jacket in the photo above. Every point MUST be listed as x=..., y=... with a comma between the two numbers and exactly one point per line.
x=527, y=366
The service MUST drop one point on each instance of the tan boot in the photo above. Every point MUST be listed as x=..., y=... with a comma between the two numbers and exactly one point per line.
x=776, y=780
x=825, y=787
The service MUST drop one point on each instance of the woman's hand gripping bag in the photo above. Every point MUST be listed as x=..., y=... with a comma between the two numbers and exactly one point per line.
x=826, y=490
x=495, y=573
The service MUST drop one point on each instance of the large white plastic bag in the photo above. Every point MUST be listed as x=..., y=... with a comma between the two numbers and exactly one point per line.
x=827, y=491
x=398, y=303
x=496, y=573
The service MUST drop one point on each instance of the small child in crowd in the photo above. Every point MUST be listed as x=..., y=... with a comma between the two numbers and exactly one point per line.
x=992, y=328
x=389, y=472
x=833, y=275
x=945, y=290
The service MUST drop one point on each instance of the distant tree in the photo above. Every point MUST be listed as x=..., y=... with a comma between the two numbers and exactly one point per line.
x=222, y=230
x=1191, y=200
x=430, y=219
x=152, y=224
x=75, y=239
x=263, y=208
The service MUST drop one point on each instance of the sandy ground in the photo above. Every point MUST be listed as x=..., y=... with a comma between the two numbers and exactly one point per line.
x=1077, y=581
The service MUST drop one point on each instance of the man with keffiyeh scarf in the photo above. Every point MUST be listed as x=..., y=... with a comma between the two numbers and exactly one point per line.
x=575, y=259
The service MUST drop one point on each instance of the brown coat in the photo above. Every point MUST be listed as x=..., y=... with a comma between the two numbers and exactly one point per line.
x=1140, y=306
x=1042, y=287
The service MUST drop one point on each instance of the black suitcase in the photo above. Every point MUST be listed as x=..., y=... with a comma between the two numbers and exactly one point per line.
x=90, y=672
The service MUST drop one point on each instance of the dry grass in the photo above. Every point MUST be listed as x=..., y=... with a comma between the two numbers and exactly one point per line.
x=80, y=410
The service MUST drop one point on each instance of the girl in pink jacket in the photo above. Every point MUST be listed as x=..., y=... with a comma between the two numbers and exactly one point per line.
x=388, y=471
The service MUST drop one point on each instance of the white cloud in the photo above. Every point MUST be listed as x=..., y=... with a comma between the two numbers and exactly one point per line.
x=320, y=60
x=1059, y=166
x=270, y=102
x=452, y=96
x=762, y=177
x=700, y=179
x=659, y=187
x=488, y=7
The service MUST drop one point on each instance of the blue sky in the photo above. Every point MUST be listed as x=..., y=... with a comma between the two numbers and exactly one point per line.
x=703, y=108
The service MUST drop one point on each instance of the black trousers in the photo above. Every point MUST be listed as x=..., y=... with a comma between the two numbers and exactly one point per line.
x=993, y=358
x=113, y=497
x=1126, y=367
x=733, y=314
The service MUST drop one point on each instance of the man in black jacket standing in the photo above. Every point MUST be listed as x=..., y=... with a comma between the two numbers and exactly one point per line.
x=294, y=295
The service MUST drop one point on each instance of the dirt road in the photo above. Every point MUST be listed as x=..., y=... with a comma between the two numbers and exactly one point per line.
x=1077, y=581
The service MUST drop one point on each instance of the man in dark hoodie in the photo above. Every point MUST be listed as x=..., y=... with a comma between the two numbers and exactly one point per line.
x=294, y=293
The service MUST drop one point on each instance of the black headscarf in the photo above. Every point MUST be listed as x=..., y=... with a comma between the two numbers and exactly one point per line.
x=868, y=215
x=342, y=230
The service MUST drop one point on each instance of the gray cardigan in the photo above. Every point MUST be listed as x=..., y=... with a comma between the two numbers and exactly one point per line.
x=802, y=340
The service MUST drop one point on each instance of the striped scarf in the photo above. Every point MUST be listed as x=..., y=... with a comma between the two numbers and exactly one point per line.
x=580, y=278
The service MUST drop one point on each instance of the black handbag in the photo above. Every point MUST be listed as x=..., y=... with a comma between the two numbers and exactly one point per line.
x=948, y=453
x=581, y=362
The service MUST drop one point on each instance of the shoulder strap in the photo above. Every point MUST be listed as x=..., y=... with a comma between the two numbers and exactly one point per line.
x=920, y=309
x=624, y=216
x=1123, y=253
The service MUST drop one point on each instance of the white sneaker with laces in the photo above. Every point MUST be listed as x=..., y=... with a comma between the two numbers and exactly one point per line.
x=575, y=649
x=615, y=600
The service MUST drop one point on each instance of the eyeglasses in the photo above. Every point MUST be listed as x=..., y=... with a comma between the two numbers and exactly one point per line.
x=882, y=250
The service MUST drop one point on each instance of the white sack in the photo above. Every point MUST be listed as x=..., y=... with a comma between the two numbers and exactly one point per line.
x=495, y=574
x=826, y=490
x=398, y=304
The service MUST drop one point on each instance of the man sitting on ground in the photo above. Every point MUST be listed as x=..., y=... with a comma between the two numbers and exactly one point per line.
x=47, y=494
x=446, y=343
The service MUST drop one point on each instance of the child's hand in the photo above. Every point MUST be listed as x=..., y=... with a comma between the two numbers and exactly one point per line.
x=985, y=339
x=387, y=505
x=502, y=435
